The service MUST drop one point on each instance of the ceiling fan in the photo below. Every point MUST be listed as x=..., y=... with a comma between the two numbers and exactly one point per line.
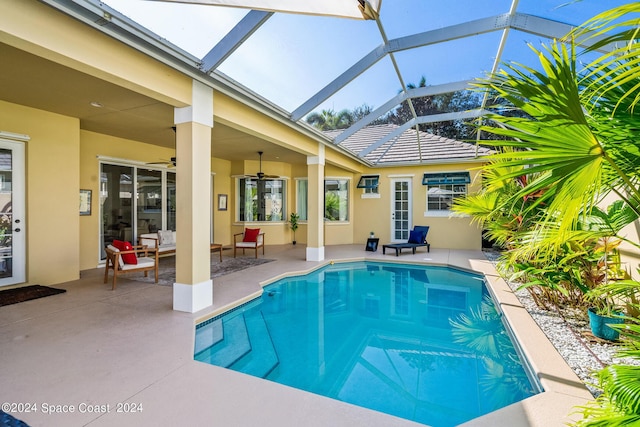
x=171, y=163
x=261, y=175
x=168, y=163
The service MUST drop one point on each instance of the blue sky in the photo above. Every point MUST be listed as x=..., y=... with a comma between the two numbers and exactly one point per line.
x=291, y=57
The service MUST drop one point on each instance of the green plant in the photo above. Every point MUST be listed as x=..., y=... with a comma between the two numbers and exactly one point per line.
x=293, y=223
x=331, y=206
x=579, y=135
x=619, y=402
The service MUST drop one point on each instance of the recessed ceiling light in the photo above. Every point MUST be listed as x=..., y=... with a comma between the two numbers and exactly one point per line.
x=96, y=104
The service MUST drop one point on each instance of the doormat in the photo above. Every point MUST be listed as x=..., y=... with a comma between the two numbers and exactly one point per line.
x=16, y=295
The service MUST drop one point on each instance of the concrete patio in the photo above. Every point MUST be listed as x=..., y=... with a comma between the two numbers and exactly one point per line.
x=125, y=358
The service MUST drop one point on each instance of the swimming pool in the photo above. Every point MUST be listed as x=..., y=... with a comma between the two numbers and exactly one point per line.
x=424, y=343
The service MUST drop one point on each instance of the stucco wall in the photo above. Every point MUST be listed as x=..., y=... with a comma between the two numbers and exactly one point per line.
x=222, y=183
x=52, y=169
x=374, y=214
x=629, y=253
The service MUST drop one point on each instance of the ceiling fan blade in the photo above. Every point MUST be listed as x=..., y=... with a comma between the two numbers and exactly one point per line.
x=169, y=163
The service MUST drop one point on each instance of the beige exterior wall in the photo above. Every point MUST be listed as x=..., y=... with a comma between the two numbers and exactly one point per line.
x=222, y=184
x=374, y=214
x=52, y=168
x=629, y=254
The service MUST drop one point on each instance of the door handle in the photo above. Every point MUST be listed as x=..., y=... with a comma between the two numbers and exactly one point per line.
x=17, y=230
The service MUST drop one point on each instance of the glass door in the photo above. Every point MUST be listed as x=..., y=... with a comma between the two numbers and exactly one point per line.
x=12, y=213
x=400, y=209
x=116, y=197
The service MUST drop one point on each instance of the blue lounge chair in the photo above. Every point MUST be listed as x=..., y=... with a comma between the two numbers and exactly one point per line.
x=417, y=238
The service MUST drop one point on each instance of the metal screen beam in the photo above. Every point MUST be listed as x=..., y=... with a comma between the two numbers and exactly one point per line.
x=350, y=74
x=401, y=97
x=520, y=21
x=234, y=39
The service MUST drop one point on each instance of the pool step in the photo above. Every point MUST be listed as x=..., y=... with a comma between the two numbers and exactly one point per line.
x=234, y=345
x=208, y=335
x=266, y=361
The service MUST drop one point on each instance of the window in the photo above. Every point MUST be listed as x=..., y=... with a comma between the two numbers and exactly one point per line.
x=369, y=183
x=444, y=188
x=261, y=199
x=302, y=191
x=336, y=199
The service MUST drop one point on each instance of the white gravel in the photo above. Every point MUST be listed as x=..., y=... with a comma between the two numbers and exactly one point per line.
x=568, y=332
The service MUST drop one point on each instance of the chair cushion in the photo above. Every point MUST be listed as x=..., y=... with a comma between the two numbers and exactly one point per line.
x=120, y=260
x=423, y=228
x=416, y=236
x=251, y=245
x=145, y=262
x=126, y=246
x=251, y=235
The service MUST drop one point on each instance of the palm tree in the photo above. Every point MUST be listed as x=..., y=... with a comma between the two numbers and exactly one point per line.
x=435, y=104
x=329, y=119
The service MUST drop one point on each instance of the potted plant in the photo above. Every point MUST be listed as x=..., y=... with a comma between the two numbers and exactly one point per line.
x=293, y=224
x=372, y=235
x=603, y=311
x=600, y=317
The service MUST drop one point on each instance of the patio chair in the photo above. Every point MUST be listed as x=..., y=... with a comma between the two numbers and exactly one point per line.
x=251, y=239
x=417, y=238
x=129, y=259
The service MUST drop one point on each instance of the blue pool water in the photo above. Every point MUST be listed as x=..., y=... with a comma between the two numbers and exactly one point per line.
x=423, y=343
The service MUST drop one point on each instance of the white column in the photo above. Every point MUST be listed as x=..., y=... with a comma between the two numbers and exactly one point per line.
x=315, y=202
x=193, y=290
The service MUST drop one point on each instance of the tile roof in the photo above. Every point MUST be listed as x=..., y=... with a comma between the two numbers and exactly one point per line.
x=404, y=148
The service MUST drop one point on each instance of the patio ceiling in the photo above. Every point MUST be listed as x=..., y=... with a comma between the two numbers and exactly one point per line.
x=294, y=64
x=36, y=82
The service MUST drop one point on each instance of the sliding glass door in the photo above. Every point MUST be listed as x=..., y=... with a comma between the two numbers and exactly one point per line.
x=134, y=201
x=116, y=200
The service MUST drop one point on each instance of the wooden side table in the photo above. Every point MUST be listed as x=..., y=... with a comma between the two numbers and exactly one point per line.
x=217, y=247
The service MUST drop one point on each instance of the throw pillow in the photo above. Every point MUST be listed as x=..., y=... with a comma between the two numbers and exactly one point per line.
x=126, y=246
x=165, y=237
x=416, y=236
x=251, y=235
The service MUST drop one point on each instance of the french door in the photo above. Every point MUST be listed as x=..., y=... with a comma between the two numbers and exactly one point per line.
x=12, y=213
x=400, y=209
